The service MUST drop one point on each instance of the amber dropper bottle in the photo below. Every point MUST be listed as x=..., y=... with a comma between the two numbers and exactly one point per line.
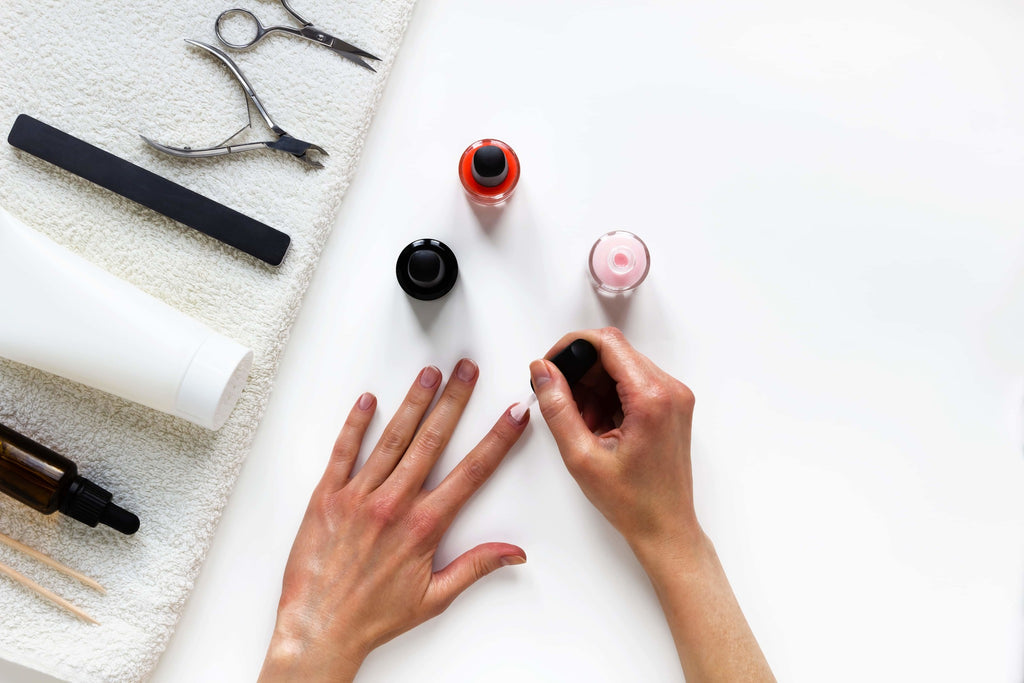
x=48, y=482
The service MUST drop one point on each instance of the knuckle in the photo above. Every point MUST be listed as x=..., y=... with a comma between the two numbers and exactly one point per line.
x=392, y=441
x=455, y=394
x=343, y=447
x=383, y=508
x=475, y=472
x=480, y=567
x=501, y=435
x=351, y=433
x=344, y=453
x=422, y=523
x=435, y=606
x=348, y=498
x=418, y=400
x=442, y=597
x=657, y=399
x=612, y=333
x=430, y=440
x=494, y=444
x=684, y=397
x=354, y=423
x=554, y=407
x=323, y=507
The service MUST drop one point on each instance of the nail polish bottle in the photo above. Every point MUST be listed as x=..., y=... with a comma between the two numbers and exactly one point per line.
x=619, y=262
x=489, y=171
x=47, y=481
x=427, y=269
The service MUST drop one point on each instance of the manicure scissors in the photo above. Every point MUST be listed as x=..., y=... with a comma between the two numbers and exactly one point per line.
x=283, y=142
x=307, y=31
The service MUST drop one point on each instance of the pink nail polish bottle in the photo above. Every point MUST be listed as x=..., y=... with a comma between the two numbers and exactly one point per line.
x=619, y=262
x=489, y=171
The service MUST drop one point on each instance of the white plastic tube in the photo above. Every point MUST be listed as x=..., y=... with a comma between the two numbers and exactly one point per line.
x=64, y=315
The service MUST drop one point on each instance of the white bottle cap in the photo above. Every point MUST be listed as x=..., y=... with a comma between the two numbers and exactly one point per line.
x=213, y=382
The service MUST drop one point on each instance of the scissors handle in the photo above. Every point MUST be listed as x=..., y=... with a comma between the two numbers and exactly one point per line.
x=295, y=14
x=261, y=30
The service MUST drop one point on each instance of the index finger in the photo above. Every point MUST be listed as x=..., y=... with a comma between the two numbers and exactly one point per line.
x=620, y=360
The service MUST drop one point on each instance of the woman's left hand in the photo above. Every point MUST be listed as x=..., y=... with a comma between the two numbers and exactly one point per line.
x=361, y=569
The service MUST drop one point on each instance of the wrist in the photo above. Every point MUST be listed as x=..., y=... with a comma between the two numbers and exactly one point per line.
x=684, y=552
x=292, y=657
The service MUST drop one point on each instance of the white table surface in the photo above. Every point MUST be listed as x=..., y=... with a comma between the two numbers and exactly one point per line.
x=833, y=195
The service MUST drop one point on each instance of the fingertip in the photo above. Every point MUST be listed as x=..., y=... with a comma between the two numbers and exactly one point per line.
x=466, y=370
x=517, y=556
x=429, y=377
x=366, y=401
x=504, y=553
x=559, y=409
x=536, y=371
x=541, y=373
x=518, y=414
x=548, y=382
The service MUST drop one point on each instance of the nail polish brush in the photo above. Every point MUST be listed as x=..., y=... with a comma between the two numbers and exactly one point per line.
x=573, y=362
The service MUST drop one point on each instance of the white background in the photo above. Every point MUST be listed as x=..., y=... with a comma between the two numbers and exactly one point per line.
x=833, y=195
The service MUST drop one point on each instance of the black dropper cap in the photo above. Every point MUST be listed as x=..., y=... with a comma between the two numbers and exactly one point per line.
x=90, y=504
x=490, y=167
x=574, y=360
x=427, y=269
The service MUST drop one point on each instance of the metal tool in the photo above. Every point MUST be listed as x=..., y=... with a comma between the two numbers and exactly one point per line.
x=307, y=31
x=283, y=143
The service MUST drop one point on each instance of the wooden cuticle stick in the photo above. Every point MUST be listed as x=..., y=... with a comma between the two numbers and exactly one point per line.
x=45, y=593
x=50, y=562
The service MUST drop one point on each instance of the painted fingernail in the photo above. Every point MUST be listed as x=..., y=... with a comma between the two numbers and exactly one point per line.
x=365, y=401
x=466, y=370
x=519, y=412
x=430, y=376
x=512, y=559
x=540, y=374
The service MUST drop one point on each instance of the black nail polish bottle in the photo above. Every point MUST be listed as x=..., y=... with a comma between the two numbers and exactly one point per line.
x=427, y=269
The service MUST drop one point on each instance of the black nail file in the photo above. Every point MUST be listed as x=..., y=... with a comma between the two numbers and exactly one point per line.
x=149, y=189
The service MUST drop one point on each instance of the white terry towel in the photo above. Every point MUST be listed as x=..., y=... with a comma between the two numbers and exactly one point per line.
x=106, y=71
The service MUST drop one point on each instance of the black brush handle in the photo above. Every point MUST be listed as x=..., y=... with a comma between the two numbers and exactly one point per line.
x=575, y=360
x=147, y=188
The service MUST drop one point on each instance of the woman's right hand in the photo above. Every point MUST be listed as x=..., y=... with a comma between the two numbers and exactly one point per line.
x=624, y=433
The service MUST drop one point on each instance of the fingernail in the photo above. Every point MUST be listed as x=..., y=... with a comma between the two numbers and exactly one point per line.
x=540, y=374
x=365, y=401
x=430, y=376
x=512, y=559
x=466, y=370
x=519, y=412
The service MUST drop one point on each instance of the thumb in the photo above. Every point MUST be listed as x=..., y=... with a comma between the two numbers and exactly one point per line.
x=467, y=569
x=560, y=411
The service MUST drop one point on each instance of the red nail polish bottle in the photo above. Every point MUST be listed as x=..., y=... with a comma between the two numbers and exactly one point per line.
x=489, y=171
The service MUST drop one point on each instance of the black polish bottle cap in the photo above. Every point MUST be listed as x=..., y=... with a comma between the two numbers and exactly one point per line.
x=427, y=269
x=574, y=360
x=490, y=167
x=90, y=504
